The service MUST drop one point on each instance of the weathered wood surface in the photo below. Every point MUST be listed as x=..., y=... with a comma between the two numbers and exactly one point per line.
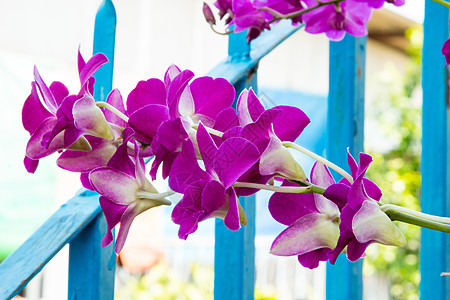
x=345, y=128
x=22, y=265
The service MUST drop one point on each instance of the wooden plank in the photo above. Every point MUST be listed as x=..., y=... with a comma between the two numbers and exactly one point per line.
x=91, y=268
x=345, y=128
x=238, y=64
x=435, y=246
x=104, y=41
x=22, y=265
x=234, y=255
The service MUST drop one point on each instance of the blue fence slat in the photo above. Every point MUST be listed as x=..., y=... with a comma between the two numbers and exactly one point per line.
x=345, y=128
x=234, y=255
x=91, y=268
x=104, y=41
x=434, y=253
x=29, y=259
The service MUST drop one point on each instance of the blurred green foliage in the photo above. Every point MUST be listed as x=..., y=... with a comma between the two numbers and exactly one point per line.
x=162, y=283
x=397, y=170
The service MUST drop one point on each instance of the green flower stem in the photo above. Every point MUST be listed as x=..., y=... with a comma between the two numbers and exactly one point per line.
x=443, y=2
x=156, y=196
x=112, y=109
x=319, y=159
x=395, y=215
x=210, y=130
x=418, y=214
x=281, y=189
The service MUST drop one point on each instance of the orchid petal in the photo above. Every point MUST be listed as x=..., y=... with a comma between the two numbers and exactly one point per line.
x=310, y=232
x=311, y=259
x=337, y=193
x=59, y=91
x=115, y=99
x=33, y=112
x=30, y=164
x=233, y=158
x=370, y=223
x=185, y=169
x=125, y=223
x=115, y=185
x=231, y=220
x=213, y=198
x=80, y=161
x=177, y=87
x=113, y=213
x=207, y=147
x=211, y=96
x=290, y=122
x=152, y=91
x=90, y=118
x=146, y=121
x=47, y=96
x=277, y=159
x=93, y=64
x=248, y=108
x=170, y=74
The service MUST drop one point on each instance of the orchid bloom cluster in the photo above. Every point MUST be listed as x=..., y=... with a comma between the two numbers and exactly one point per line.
x=210, y=153
x=334, y=17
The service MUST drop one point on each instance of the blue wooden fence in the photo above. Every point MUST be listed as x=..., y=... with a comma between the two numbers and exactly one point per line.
x=81, y=223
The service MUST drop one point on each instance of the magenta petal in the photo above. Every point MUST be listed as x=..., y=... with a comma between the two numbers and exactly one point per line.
x=259, y=131
x=189, y=223
x=91, y=67
x=234, y=157
x=211, y=96
x=59, y=91
x=290, y=123
x=84, y=178
x=446, y=51
x=355, y=250
x=115, y=99
x=170, y=74
x=310, y=232
x=213, y=197
x=185, y=169
x=34, y=149
x=90, y=118
x=79, y=161
x=152, y=91
x=47, y=95
x=226, y=120
x=125, y=222
x=249, y=108
x=115, y=185
x=33, y=112
x=232, y=218
x=338, y=193
x=372, y=190
x=146, y=121
x=287, y=208
x=207, y=147
x=113, y=213
x=311, y=259
x=176, y=88
x=30, y=164
x=120, y=160
x=171, y=134
x=321, y=176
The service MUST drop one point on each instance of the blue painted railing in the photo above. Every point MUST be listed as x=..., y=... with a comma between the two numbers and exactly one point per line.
x=81, y=223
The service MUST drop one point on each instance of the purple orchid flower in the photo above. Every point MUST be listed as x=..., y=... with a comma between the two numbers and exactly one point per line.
x=60, y=120
x=163, y=114
x=124, y=189
x=446, y=52
x=209, y=193
x=247, y=16
x=313, y=221
x=362, y=221
x=348, y=16
x=267, y=129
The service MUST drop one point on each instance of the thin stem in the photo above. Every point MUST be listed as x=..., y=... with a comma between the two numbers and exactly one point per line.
x=218, y=32
x=278, y=16
x=395, y=215
x=445, y=3
x=113, y=110
x=156, y=196
x=418, y=214
x=210, y=130
x=281, y=189
x=319, y=159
